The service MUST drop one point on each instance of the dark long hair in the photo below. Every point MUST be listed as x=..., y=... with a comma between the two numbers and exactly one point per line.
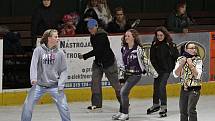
x=167, y=37
x=135, y=35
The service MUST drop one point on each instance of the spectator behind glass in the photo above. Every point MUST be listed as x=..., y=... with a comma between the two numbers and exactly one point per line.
x=82, y=25
x=69, y=24
x=102, y=10
x=178, y=20
x=119, y=23
x=43, y=18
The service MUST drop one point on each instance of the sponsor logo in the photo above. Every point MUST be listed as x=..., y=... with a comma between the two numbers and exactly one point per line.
x=200, y=48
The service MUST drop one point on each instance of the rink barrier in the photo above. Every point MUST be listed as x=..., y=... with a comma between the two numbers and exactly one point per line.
x=1, y=63
x=80, y=71
x=144, y=88
x=17, y=97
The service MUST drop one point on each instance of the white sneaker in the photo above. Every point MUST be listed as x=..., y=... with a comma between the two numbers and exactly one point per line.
x=123, y=117
x=116, y=116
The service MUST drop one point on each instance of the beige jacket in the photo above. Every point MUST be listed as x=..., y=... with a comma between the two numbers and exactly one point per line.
x=186, y=76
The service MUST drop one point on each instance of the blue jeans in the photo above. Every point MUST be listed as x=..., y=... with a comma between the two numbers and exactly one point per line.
x=130, y=82
x=159, y=94
x=34, y=95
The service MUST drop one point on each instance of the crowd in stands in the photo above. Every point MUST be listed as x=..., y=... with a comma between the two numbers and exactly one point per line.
x=76, y=23
x=115, y=21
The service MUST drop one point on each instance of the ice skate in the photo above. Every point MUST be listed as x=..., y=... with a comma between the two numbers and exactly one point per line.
x=153, y=109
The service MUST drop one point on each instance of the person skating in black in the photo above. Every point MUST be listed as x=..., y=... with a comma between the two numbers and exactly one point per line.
x=104, y=62
x=161, y=58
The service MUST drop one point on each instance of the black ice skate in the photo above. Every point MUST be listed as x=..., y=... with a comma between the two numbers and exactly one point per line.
x=94, y=108
x=163, y=113
x=153, y=109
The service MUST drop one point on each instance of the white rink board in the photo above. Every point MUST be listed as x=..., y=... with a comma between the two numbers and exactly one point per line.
x=79, y=71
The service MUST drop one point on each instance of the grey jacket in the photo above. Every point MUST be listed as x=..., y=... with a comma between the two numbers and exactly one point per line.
x=48, y=67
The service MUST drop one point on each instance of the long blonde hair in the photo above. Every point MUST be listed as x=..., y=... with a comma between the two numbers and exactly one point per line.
x=46, y=34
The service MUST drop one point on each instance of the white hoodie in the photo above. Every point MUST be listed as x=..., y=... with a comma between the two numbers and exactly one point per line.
x=48, y=67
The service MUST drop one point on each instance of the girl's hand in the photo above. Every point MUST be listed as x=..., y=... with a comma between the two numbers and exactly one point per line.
x=183, y=61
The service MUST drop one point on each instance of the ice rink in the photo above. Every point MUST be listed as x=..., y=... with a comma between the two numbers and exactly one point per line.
x=205, y=109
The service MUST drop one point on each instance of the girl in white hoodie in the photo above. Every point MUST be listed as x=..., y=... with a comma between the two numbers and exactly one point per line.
x=48, y=73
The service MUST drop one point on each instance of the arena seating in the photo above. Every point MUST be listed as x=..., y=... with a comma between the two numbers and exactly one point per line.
x=149, y=21
x=21, y=61
x=204, y=21
x=20, y=24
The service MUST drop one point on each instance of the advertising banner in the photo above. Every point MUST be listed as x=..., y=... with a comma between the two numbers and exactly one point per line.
x=212, y=56
x=80, y=70
x=200, y=39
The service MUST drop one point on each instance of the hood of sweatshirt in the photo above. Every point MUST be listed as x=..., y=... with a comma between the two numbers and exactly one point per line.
x=53, y=49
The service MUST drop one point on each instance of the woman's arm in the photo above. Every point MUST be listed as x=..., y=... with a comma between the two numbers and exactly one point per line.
x=34, y=66
x=196, y=70
x=178, y=66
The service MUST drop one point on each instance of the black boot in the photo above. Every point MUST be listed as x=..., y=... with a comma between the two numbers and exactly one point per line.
x=163, y=113
x=153, y=109
x=93, y=107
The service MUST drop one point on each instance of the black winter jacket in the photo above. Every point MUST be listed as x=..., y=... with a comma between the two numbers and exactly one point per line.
x=160, y=57
x=43, y=18
x=104, y=55
x=177, y=23
x=113, y=27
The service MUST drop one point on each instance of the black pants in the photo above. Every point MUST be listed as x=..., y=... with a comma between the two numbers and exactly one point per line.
x=187, y=104
x=159, y=94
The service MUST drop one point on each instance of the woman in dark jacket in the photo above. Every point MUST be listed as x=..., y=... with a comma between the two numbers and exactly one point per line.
x=178, y=20
x=43, y=18
x=160, y=58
